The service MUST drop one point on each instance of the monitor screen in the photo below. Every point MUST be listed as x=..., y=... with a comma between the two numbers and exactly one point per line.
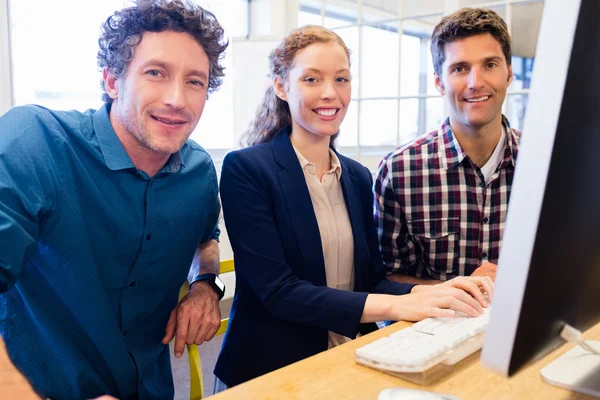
x=549, y=266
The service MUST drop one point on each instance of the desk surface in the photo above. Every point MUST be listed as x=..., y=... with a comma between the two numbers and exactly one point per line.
x=335, y=375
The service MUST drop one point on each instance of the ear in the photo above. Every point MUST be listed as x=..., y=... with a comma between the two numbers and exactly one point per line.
x=438, y=84
x=510, y=75
x=279, y=88
x=110, y=83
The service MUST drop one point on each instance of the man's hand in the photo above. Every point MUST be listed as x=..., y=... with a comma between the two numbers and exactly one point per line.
x=196, y=319
x=486, y=269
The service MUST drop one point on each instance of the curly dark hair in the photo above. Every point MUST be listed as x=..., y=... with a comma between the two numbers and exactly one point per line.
x=464, y=23
x=123, y=31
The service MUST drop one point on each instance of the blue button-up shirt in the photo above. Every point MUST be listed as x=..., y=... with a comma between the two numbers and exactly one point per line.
x=93, y=252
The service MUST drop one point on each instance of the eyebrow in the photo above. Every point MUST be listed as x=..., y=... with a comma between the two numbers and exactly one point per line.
x=164, y=65
x=319, y=71
x=485, y=60
x=492, y=58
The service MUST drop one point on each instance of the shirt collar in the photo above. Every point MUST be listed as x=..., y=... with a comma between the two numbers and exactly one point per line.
x=174, y=163
x=336, y=166
x=451, y=154
x=114, y=153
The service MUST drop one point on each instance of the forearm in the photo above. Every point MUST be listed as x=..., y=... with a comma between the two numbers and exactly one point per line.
x=398, y=277
x=206, y=259
x=378, y=307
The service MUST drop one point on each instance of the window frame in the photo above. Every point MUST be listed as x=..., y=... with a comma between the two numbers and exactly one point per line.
x=450, y=6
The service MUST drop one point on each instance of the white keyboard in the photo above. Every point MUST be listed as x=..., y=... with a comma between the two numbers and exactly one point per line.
x=427, y=343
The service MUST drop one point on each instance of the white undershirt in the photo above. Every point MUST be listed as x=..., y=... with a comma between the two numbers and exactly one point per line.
x=496, y=159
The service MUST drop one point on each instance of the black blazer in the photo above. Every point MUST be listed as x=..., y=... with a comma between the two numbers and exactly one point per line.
x=282, y=309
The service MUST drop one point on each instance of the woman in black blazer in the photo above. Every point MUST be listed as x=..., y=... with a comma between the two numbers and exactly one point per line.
x=299, y=287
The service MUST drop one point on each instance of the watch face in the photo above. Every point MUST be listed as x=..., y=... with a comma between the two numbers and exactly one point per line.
x=219, y=284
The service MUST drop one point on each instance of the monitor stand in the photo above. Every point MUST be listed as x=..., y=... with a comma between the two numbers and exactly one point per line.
x=577, y=370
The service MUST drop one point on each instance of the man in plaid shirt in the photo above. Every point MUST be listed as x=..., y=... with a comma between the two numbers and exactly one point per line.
x=441, y=200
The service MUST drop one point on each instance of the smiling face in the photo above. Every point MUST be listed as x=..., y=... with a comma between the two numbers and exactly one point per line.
x=474, y=81
x=159, y=101
x=317, y=89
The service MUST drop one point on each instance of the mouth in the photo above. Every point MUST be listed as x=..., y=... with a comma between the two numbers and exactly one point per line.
x=479, y=99
x=326, y=113
x=169, y=120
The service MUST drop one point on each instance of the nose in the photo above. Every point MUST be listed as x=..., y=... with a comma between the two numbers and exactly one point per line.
x=174, y=95
x=475, y=78
x=328, y=92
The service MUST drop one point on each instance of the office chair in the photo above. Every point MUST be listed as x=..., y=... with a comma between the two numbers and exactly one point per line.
x=196, y=384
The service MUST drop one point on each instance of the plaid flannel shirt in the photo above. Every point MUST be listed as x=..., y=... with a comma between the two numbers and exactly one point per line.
x=435, y=215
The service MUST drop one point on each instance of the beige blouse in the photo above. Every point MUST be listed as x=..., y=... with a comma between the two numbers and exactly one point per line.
x=334, y=227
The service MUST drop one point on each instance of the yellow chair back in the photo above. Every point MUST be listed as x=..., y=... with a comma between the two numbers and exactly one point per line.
x=196, y=383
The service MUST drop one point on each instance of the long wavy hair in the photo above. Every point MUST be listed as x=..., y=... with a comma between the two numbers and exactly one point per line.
x=123, y=31
x=274, y=113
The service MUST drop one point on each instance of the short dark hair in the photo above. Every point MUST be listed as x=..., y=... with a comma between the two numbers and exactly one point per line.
x=123, y=31
x=464, y=23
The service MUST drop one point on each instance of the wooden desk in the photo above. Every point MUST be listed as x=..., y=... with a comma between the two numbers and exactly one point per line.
x=335, y=375
x=12, y=384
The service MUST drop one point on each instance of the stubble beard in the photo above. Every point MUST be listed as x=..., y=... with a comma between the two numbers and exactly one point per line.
x=137, y=131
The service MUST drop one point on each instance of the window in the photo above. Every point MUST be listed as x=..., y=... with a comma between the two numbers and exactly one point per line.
x=54, y=65
x=393, y=88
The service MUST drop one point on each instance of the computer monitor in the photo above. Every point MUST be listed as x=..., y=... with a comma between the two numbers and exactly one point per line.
x=549, y=266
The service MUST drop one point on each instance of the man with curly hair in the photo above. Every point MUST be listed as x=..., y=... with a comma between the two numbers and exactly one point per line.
x=103, y=212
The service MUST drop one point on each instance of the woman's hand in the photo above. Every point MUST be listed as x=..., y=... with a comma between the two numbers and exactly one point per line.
x=464, y=294
x=476, y=286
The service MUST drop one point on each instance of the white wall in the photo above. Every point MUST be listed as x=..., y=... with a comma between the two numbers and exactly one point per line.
x=5, y=62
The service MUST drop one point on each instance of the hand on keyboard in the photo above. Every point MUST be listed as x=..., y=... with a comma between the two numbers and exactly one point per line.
x=464, y=294
x=486, y=269
x=474, y=285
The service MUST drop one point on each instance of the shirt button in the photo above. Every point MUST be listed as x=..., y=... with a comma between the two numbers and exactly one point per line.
x=486, y=220
x=141, y=381
x=481, y=184
x=132, y=283
x=484, y=255
x=149, y=236
x=125, y=332
x=433, y=232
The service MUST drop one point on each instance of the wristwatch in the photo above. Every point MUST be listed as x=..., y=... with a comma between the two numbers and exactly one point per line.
x=213, y=280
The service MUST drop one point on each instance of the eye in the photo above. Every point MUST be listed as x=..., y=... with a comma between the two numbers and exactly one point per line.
x=153, y=72
x=459, y=70
x=310, y=79
x=196, y=82
x=342, y=79
x=491, y=65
